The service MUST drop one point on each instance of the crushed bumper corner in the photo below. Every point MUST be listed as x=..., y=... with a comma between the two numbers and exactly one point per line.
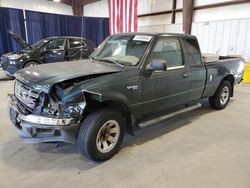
x=38, y=129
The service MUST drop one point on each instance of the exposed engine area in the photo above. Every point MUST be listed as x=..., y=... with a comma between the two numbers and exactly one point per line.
x=37, y=102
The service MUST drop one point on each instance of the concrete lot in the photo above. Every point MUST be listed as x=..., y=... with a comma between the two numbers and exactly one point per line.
x=200, y=149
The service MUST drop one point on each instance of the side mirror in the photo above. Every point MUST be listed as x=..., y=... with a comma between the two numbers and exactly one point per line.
x=157, y=65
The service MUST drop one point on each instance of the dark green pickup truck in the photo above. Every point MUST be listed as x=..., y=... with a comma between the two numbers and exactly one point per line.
x=130, y=81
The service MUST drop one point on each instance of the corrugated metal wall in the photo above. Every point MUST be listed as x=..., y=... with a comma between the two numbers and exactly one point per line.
x=227, y=37
x=224, y=37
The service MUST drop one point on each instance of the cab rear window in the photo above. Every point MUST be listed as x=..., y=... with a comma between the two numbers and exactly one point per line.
x=193, y=51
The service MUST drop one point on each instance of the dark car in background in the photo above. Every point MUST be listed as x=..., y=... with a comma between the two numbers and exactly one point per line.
x=48, y=50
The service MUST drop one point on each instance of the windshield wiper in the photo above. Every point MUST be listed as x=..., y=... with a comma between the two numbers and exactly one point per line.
x=92, y=58
x=110, y=61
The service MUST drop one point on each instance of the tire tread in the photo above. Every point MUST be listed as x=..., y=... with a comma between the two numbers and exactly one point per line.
x=89, y=126
x=214, y=101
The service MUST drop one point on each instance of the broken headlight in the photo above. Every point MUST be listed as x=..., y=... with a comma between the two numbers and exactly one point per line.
x=59, y=91
x=75, y=110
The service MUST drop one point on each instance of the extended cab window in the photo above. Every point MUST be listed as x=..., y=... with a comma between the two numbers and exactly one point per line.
x=194, y=54
x=75, y=43
x=55, y=44
x=168, y=49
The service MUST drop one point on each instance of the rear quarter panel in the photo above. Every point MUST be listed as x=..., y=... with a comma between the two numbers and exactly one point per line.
x=217, y=71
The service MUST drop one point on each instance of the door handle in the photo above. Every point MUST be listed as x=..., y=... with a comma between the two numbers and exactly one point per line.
x=185, y=75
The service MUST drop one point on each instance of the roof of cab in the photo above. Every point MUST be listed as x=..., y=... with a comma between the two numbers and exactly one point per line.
x=56, y=37
x=157, y=34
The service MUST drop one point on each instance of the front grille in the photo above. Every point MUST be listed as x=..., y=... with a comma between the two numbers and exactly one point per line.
x=26, y=95
x=4, y=58
x=4, y=61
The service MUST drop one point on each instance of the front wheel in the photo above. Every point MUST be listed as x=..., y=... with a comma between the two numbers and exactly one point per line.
x=30, y=64
x=221, y=96
x=101, y=134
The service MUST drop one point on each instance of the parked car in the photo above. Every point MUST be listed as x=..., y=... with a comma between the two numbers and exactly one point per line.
x=131, y=81
x=49, y=50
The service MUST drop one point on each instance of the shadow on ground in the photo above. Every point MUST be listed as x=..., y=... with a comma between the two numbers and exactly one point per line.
x=3, y=77
x=42, y=157
x=166, y=126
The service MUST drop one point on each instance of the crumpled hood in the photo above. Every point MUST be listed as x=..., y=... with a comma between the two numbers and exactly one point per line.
x=49, y=74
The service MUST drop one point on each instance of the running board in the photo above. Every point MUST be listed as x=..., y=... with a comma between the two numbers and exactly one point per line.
x=164, y=117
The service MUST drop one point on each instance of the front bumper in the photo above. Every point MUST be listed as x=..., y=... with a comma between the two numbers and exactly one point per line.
x=10, y=66
x=38, y=129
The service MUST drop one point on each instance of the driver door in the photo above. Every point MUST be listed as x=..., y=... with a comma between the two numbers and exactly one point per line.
x=165, y=89
x=55, y=51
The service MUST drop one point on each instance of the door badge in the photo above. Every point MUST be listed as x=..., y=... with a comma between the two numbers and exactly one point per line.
x=134, y=87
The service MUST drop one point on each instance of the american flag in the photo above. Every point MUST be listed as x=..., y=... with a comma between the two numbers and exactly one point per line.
x=122, y=16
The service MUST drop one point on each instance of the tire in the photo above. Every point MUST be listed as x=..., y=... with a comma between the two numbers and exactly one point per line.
x=94, y=135
x=30, y=64
x=222, y=95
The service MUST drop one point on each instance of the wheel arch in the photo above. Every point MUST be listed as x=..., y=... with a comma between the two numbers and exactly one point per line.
x=30, y=60
x=231, y=79
x=94, y=102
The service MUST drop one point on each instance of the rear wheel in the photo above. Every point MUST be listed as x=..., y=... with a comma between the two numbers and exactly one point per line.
x=221, y=96
x=101, y=134
x=30, y=64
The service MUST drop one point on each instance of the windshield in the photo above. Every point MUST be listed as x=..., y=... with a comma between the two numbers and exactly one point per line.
x=39, y=43
x=125, y=50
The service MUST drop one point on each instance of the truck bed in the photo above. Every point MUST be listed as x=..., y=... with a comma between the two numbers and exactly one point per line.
x=217, y=70
x=222, y=59
x=210, y=58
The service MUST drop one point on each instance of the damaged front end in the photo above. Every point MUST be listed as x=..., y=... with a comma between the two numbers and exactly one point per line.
x=43, y=117
x=48, y=103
